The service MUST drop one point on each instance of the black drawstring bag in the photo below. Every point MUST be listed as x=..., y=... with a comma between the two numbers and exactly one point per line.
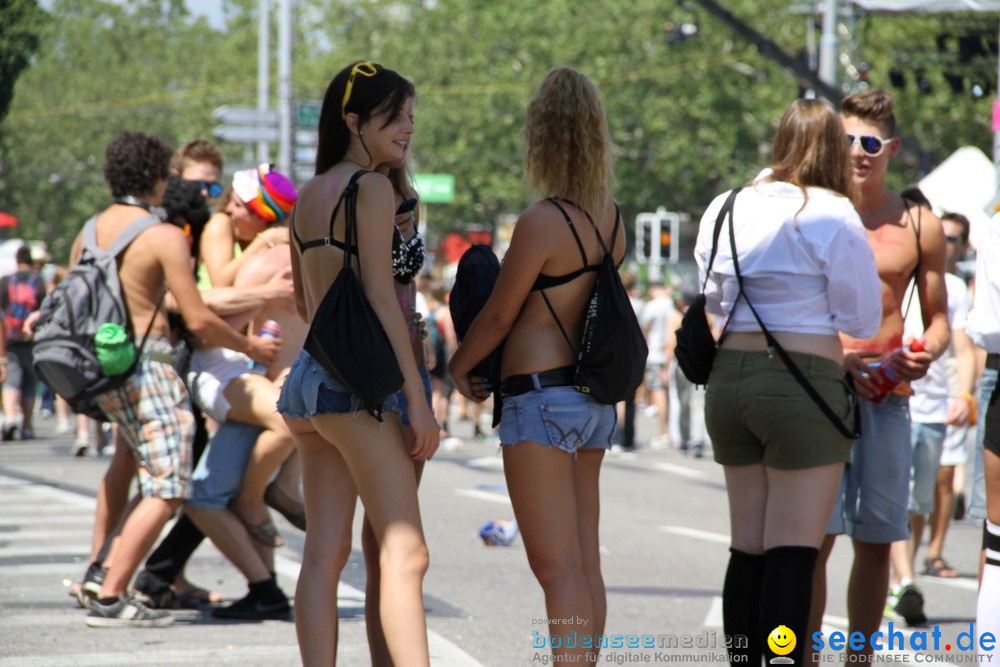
x=477, y=273
x=346, y=337
x=696, y=346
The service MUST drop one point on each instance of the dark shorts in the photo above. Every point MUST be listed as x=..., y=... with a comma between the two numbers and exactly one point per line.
x=20, y=369
x=756, y=411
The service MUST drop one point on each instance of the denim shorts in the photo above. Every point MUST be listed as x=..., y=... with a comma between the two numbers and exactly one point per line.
x=875, y=489
x=218, y=477
x=558, y=416
x=309, y=390
x=927, y=441
x=404, y=415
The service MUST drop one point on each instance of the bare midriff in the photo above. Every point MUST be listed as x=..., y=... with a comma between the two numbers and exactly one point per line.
x=823, y=345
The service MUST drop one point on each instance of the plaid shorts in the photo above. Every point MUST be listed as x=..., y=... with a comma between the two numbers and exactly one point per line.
x=153, y=411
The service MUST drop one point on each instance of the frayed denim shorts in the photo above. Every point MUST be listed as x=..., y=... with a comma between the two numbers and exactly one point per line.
x=309, y=390
x=404, y=408
x=557, y=416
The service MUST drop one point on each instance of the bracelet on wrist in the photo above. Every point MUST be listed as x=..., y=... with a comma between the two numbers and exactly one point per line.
x=968, y=398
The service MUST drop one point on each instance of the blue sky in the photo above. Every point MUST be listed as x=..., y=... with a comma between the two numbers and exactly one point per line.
x=211, y=9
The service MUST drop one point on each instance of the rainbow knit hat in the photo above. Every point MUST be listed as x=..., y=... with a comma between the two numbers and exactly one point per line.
x=267, y=193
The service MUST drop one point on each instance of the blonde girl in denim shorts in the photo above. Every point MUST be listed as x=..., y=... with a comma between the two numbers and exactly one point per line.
x=554, y=438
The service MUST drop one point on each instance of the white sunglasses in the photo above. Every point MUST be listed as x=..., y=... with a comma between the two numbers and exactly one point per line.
x=871, y=145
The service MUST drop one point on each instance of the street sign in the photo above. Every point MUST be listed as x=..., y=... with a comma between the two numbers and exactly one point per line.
x=245, y=116
x=435, y=188
x=248, y=134
x=307, y=113
x=306, y=155
x=306, y=137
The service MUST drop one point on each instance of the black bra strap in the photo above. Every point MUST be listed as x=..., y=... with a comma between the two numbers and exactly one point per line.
x=597, y=233
x=569, y=223
x=328, y=239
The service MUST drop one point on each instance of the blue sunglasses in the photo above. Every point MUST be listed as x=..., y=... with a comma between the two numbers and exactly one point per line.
x=213, y=188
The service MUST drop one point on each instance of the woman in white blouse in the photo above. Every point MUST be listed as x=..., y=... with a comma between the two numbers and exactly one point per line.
x=808, y=270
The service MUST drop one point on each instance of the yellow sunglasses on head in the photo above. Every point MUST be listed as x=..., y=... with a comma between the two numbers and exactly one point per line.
x=368, y=69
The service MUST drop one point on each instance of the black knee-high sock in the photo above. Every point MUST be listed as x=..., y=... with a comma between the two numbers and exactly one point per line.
x=741, y=606
x=788, y=575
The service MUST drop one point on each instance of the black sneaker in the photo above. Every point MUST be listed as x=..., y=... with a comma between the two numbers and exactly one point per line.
x=8, y=432
x=126, y=612
x=911, y=605
x=153, y=592
x=255, y=607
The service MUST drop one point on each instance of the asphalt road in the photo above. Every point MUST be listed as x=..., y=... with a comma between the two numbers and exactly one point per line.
x=664, y=535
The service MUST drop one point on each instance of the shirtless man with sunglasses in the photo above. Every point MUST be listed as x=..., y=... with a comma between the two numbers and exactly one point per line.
x=908, y=242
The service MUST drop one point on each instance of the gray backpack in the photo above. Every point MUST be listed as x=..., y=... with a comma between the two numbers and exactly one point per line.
x=65, y=355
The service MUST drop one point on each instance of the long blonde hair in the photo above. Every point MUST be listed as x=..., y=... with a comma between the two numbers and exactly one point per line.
x=811, y=149
x=567, y=147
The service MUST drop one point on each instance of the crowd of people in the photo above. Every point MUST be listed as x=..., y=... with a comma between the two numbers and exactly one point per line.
x=841, y=399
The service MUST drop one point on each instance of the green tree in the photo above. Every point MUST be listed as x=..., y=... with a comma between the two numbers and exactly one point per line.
x=20, y=23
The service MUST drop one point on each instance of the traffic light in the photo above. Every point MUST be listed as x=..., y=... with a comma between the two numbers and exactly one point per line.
x=665, y=242
x=646, y=242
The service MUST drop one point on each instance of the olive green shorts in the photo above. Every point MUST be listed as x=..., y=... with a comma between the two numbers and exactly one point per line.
x=756, y=412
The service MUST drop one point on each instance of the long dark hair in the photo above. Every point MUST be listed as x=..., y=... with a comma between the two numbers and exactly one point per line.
x=386, y=90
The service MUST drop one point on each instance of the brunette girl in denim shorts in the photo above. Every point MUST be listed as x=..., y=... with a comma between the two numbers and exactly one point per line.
x=553, y=436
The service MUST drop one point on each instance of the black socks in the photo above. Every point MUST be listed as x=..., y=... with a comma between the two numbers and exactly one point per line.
x=741, y=605
x=762, y=592
x=787, y=595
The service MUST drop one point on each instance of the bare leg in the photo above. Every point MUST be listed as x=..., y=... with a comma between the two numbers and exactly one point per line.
x=944, y=504
x=818, y=604
x=112, y=496
x=141, y=529
x=382, y=471
x=377, y=646
x=586, y=473
x=866, y=589
x=230, y=536
x=542, y=485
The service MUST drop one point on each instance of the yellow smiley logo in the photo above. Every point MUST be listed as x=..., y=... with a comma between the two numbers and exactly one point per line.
x=781, y=640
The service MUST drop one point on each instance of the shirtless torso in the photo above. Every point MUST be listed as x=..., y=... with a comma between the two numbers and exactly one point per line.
x=258, y=270
x=891, y=225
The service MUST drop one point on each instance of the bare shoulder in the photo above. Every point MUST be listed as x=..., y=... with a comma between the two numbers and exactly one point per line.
x=218, y=225
x=262, y=266
x=540, y=219
x=373, y=184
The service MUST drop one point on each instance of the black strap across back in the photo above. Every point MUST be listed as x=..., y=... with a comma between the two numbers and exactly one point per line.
x=328, y=240
x=543, y=281
x=560, y=280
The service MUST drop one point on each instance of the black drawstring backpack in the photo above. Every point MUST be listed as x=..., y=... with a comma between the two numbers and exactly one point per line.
x=611, y=356
x=346, y=337
x=477, y=273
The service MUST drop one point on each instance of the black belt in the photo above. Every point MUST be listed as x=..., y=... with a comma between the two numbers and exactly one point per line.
x=521, y=384
x=993, y=361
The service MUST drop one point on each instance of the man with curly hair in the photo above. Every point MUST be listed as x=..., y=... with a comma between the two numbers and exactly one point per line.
x=152, y=409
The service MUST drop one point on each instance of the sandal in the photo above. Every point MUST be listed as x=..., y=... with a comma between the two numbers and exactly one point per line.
x=278, y=500
x=196, y=596
x=938, y=567
x=265, y=533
